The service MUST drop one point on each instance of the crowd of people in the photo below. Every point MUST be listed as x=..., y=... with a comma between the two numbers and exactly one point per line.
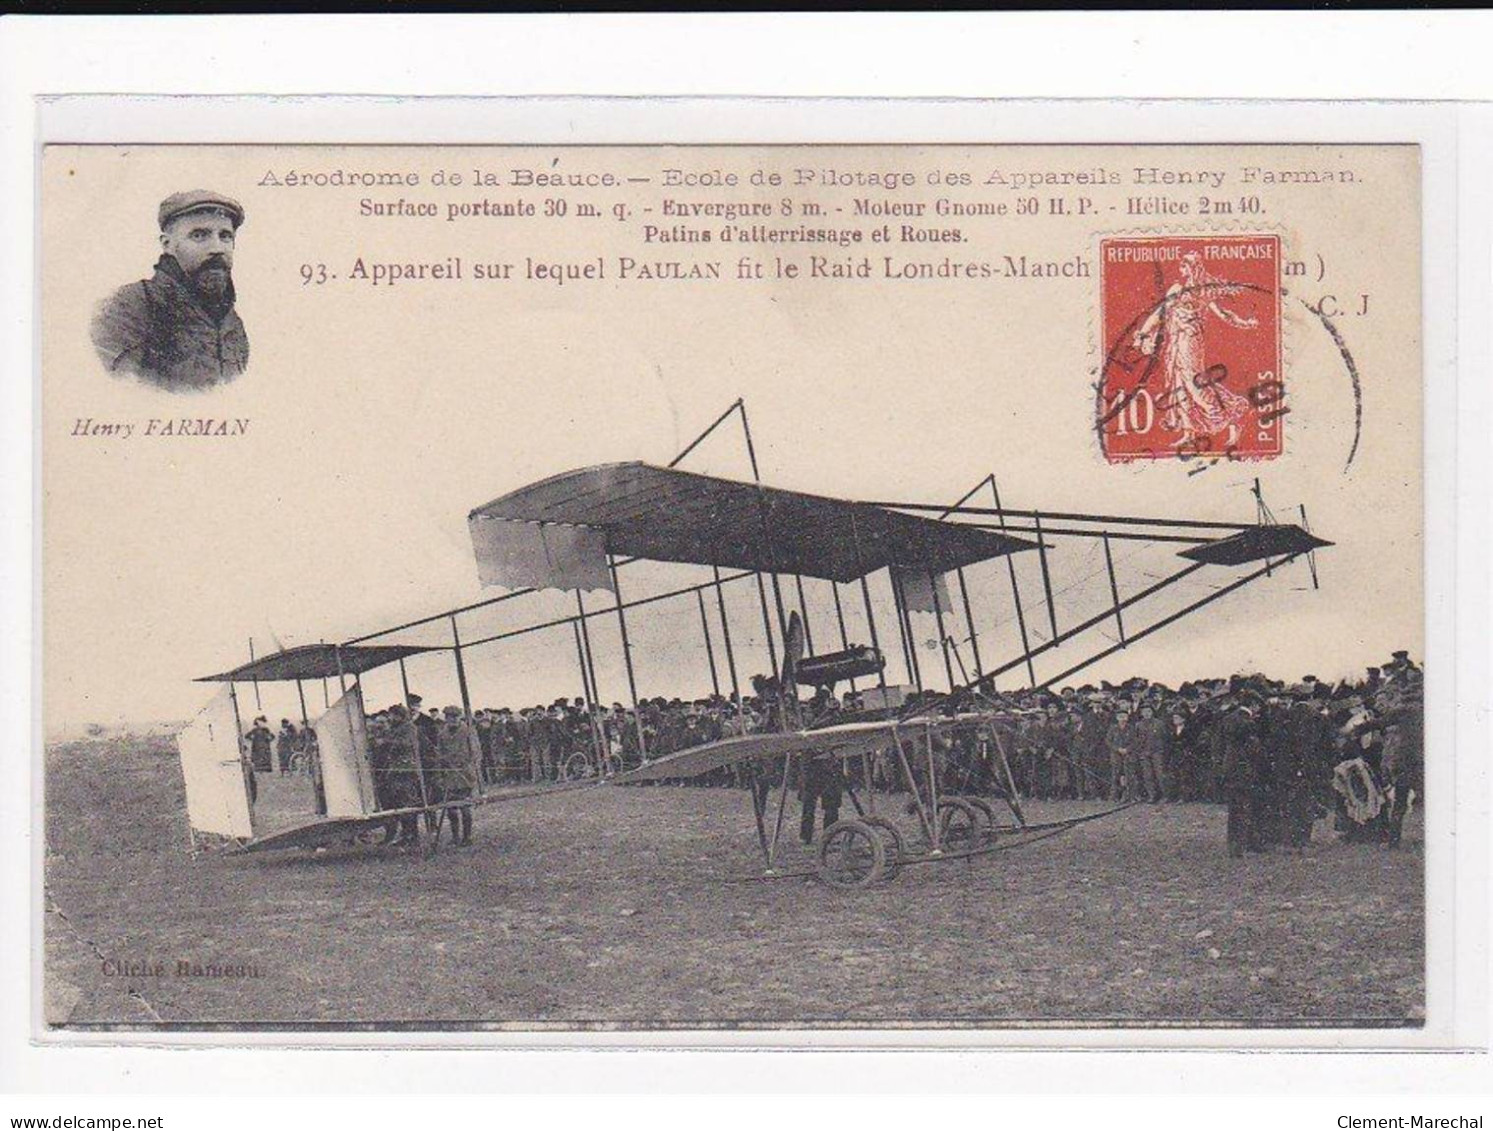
x=1274, y=753
x=1279, y=755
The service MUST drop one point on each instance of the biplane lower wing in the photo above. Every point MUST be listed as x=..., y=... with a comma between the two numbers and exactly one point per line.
x=333, y=830
x=318, y=833
x=848, y=740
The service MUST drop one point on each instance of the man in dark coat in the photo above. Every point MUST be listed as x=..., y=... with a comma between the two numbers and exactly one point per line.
x=1056, y=736
x=1149, y=746
x=1274, y=768
x=1124, y=773
x=1402, y=763
x=404, y=778
x=514, y=745
x=1299, y=764
x=821, y=786
x=1239, y=750
x=261, y=744
x=424, y=723
x=1194, y=742
x=487, y=738
x=427, y=732
x=546, y=743
x=313, y=767
x=1090, y=755
x=178, y=329
x=285, y=745
x=1028, y=767
x=458, y=762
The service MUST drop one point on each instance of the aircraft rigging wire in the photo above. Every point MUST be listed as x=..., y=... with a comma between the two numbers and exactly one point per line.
x=1065, y=516
x=1003, y=620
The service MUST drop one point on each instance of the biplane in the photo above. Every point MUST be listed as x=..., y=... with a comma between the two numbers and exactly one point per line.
x=578, y=532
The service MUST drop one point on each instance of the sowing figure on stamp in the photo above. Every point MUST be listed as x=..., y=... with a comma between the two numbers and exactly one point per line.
x=1196, y=404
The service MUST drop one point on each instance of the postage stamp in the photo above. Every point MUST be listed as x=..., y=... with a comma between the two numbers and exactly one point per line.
x=1192, y=363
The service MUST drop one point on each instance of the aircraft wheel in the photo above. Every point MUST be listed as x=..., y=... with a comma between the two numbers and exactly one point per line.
x=959, y=823
x=987, y=814
x=982, y=805
x=892, y=843
x=576, y=767
x=852, y=854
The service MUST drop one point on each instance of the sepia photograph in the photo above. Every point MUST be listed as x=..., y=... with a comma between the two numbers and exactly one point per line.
x=742, y=587
x=178, y=330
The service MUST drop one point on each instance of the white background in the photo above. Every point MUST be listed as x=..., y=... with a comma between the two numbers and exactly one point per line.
x=1419, y=56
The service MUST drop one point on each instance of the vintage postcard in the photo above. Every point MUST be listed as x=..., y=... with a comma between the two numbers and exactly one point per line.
x=732, y=587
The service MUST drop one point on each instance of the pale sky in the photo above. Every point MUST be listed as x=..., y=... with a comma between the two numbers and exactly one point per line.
x=381, y=416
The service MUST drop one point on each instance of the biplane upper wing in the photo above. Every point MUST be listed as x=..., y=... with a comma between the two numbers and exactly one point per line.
x=548, y=529
x=316, y=661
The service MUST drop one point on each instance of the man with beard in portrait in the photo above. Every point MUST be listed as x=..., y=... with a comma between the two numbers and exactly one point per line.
x=178, y=329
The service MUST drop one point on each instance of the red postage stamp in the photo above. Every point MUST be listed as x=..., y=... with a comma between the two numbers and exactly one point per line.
x=1192, y=350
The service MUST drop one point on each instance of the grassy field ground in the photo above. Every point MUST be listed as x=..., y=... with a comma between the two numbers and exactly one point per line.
x=609, y=908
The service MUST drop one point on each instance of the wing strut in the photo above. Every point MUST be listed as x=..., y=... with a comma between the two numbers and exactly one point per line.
x=1052, y=613
x=1311, y=556
x=1026, y=644
x=1114, y=589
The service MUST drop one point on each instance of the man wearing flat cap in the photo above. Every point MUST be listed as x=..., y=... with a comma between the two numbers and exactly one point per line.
x=178, y=329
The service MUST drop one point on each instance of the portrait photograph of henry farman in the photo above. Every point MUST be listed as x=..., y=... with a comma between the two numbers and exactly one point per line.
x=178, y=329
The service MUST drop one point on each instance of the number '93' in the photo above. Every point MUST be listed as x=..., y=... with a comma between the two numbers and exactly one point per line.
x=313, y=273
